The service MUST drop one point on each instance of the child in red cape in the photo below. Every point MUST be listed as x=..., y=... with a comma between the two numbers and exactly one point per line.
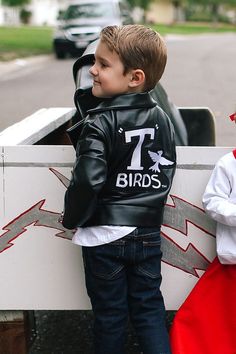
x=206, y=322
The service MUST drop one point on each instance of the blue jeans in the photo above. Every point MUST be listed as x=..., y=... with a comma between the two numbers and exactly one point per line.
x=123, y=281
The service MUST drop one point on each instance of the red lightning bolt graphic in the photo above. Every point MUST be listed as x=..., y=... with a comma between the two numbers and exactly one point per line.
x=34, y=216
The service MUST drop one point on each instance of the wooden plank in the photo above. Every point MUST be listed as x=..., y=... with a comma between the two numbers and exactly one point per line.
x=14, y=332
x=10, y=316
x=35, y=127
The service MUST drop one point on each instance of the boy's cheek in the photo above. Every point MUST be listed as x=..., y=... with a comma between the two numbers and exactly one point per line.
x=94, y=92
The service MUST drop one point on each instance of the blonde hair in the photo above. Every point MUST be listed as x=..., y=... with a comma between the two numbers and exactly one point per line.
x=138, y=47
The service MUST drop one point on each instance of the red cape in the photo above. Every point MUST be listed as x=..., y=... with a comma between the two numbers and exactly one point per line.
x=206, y=322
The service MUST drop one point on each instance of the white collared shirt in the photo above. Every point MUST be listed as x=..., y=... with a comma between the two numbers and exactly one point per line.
x=219, y=201
x=98, y=235
x=219, y=198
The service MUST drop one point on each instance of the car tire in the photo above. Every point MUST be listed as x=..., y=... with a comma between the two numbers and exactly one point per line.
x=60, y=54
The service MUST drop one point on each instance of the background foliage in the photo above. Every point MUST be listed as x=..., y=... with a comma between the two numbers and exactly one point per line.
x=15, y=2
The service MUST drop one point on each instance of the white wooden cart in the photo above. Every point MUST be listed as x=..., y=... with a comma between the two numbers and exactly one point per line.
x=40, y=267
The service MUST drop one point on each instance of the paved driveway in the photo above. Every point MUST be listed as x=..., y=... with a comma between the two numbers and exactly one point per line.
x=200, y=72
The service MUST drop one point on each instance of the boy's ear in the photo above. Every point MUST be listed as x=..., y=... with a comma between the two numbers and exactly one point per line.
x=137, y=78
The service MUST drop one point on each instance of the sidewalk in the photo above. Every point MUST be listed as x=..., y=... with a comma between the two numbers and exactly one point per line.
x=7, y=67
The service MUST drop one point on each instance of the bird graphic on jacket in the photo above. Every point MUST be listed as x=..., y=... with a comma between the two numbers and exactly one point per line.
x=159, y=160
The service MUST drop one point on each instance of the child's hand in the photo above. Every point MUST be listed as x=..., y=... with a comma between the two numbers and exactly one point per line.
x=60, y=221
x=61, y=217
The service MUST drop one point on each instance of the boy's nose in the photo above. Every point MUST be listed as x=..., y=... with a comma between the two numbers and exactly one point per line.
x=93, y=70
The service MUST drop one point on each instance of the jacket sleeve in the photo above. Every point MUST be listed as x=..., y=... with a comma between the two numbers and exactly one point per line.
x=216, y=198
x=88, y=177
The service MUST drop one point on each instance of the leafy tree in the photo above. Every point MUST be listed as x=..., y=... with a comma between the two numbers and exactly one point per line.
x=140, y=3
x=15, y=2
x=143, y=4
x=132, y=3
x=214, y=5
x=178, y=4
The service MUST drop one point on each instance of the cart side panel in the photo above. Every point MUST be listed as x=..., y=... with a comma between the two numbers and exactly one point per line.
x=42, y=269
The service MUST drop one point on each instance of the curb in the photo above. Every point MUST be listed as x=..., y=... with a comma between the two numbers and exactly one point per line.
x=18, y=64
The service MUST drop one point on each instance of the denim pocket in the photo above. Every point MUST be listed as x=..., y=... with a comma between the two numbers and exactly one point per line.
x=151, y=252
x=104, y=261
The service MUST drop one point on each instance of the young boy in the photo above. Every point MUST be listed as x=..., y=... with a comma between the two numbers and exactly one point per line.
x=125, y=163
x=219, y=201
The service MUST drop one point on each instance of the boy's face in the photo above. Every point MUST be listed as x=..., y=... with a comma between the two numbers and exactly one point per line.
x=108, y=73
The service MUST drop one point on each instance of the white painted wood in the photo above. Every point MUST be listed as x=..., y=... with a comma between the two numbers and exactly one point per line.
x=41, y=268
x=35, y=127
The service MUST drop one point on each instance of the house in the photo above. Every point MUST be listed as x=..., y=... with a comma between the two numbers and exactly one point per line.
x=43, y=12
x=164, y=12
x=46, y=11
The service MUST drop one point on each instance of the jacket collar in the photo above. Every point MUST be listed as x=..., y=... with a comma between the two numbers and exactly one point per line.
x=134, y=100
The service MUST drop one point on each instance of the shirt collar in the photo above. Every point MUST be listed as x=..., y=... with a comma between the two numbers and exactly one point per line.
x=133, y=100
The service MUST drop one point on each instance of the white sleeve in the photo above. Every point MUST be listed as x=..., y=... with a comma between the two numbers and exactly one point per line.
x=216, y=198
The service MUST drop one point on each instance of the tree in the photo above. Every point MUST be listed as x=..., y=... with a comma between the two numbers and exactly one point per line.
x=178, y=5
x=143, y=4
x=214, y=5
x=15, y=2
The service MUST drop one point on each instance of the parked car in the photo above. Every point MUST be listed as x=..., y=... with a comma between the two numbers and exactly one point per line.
x=194, y=126
x=82, y=22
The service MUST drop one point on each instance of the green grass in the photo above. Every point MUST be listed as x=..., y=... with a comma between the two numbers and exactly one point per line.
x=193, y=28
x=16, y=42
x=24, y=41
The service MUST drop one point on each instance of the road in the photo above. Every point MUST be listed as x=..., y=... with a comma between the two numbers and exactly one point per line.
x=200, y=72
x=29, y=85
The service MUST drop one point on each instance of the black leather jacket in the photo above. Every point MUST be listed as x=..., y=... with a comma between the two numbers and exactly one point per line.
x=125, y=163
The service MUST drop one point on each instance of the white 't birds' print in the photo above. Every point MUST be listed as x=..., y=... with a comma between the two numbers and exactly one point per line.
x=159, y=160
